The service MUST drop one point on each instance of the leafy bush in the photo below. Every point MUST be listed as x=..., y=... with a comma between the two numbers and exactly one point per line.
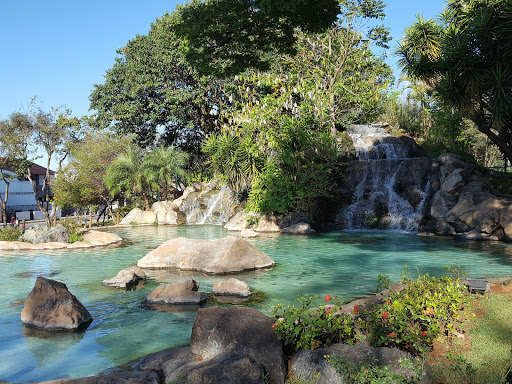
x=74, y=237
x=309, y=326
x=74, y=228
x=10, y=234
x=409, y=319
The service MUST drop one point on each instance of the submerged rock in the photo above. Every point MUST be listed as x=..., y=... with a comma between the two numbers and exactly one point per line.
x=225, y=255
x=126, y=278
x=231, y=287
x=51, y=306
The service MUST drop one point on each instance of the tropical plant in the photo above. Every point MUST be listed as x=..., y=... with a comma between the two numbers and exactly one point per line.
x=163, y=165
x=467, y=59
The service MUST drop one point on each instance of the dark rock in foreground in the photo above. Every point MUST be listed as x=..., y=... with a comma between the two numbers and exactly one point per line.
x=51, y=306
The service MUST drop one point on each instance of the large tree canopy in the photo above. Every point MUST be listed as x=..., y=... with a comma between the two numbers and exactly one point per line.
x=152, y=92
x=225, y=37
x=467, y=59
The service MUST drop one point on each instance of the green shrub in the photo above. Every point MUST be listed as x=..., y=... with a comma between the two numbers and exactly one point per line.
x=409, y=319
x=10, y=234
x=74, y=237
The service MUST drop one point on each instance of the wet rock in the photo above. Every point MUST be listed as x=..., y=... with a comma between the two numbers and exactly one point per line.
x=299, y=229
x=179, y=293
x=126, y=278
x=51, y=306
x=231, y=287
x=225, y=255
x=238, y=331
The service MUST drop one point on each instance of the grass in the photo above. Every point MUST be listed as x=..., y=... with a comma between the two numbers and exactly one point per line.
x=484, y=355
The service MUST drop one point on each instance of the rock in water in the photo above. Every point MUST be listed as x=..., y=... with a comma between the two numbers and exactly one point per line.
x=225, y=255
x=180, y=293
x=231, y=287
x=139, y=216
x=126, y=278
x=51, y=306
x=238, y=331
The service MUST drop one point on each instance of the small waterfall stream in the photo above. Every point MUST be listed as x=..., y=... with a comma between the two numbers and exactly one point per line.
x=208, y=207
x=390, y=188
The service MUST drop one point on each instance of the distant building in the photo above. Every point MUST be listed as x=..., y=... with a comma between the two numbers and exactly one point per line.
x=21, y=196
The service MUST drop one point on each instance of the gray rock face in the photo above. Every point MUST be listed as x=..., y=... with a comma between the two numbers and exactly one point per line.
x=268, y=223
x=167, y=212
x=231, y=287
x=227, y=368
x=299, y=229
x=51, y=306
x=139, y=216
x=305, y=364
x=179, y=293
x=38, y=235
x=225, y=255
x=126, y=278
x=238, y=331
x=113, y=378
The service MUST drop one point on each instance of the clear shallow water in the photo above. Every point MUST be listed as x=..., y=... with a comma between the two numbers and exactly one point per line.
x=343, y=264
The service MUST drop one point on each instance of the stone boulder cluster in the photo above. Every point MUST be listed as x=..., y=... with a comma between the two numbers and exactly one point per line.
x=463, y=207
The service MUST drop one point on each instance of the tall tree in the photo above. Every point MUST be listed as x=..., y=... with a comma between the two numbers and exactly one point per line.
x=151, y=91
x=226, y=37
x=467, y=59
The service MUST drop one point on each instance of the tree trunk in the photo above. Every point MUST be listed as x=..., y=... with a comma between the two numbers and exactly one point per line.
x=146, y=201
x=4, y=203
x=39, y=205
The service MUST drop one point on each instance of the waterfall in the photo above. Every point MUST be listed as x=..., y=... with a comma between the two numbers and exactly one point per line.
x=390, y=188
x=208, y=207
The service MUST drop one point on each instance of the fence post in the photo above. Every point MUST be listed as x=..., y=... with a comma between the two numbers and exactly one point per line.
x=54, y=221
x=23, y=226
x=117, y=218
x=90, y=219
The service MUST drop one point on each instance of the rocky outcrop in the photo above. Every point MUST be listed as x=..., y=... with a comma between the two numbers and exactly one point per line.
x=228, y=345
x=101, y=238
x=51, y=306
x=226, y=255
x=112, y=378
x=138, y=216
x=126, y=278
x=308, y=363
x=185, y=293
x=231, y=287
x=463, y=207
x=38, y=235
x=167, y=212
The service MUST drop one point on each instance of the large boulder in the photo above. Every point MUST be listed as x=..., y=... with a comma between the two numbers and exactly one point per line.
x=51, y=306
x=308, y=363
x=225, y=255
x=238, y=331
x=101, y=238
x=139, y=216
x=268, y=223
x=126, y=278
x=299, y=229
x=121, y=377
x=167, y=212
x=179, y=293
x=39, y=235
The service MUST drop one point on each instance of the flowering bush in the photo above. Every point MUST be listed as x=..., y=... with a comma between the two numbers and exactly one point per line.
x=409, y=319
x=309, y=325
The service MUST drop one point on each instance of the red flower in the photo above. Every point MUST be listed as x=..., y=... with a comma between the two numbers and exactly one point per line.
x=385, y=315
x=388, y=302
x=356, y=311
x=428, y=311
x=328, y=298
x=424, y=333
x=328, y=311
x=392, y=334
x=273, y=325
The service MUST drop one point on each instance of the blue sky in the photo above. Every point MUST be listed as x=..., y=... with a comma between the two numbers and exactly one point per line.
x=57, y=50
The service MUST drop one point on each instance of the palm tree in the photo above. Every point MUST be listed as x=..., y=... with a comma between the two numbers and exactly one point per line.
x=162, y=165
x=126, y=174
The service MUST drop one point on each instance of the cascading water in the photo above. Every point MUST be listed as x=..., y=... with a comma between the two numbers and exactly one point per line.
x=390, y=186
x=209, y=207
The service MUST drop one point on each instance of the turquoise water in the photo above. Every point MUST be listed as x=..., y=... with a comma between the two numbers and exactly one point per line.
x=344, y=264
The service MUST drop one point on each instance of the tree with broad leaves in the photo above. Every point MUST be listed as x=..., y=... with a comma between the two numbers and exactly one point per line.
x=466, y=58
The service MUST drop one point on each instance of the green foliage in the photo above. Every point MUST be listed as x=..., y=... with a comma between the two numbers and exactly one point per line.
x=10, y=234
x=74, y=237
x=74, y=228
x=466, y=59
x=368, y=372
x=225, y=37
x=308, y=325
x=409, y=319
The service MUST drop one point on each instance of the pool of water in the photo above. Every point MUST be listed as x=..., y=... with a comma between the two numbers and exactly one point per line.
x=345, y=264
